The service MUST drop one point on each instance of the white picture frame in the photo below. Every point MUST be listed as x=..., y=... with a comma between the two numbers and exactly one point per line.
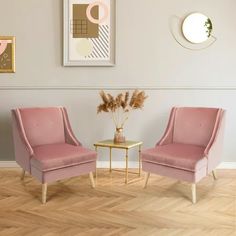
x=95, y=56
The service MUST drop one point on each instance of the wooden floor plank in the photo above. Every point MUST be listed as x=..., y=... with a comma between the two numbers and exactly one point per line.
x=114, y=208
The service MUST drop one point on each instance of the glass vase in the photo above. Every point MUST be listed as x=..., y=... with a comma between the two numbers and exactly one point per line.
x=119, y=136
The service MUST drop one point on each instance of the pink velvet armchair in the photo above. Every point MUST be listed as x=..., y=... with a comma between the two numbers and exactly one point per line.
x=46, y=147
x=190, y=147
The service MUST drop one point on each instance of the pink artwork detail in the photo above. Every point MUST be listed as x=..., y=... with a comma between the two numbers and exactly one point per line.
x=105, y=8
x=3, y=46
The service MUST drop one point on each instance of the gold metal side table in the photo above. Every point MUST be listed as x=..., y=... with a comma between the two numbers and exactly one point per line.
x=126, y=146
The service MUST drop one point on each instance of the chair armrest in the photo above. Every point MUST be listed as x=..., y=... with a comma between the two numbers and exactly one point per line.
x=167, y=138
x=213, y=151
x=69, y=135
x=22, y=147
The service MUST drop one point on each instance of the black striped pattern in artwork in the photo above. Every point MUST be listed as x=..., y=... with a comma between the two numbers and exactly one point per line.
x=101, y=45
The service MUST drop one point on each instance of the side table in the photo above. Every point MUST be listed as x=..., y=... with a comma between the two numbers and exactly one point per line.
x=126, y=146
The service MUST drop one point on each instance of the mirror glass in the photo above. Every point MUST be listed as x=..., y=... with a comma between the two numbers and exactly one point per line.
x=197, y=28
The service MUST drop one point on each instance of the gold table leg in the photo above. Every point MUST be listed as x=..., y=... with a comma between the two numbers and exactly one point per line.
x=126, y=171
x=96, y=172
x=110, y=157
x=139, y=160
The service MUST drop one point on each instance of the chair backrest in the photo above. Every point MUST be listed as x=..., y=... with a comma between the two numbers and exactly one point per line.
x=42, y=125
x=194, y=125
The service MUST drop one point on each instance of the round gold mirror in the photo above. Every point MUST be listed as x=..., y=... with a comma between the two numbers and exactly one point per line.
x=197, y=28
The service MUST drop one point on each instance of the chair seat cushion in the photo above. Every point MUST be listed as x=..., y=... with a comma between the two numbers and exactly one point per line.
x=56, y=156
x=181, y=156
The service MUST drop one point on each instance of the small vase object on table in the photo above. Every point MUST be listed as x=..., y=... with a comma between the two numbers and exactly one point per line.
x=120, y=107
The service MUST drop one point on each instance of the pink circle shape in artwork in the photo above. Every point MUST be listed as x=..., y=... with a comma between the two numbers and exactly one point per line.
x=93, y=20
x=3, y=46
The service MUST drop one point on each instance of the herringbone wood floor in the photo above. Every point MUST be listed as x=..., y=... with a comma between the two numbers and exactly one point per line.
x=113, y=208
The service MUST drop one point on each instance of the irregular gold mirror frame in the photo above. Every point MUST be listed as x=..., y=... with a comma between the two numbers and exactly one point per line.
x=197, y=28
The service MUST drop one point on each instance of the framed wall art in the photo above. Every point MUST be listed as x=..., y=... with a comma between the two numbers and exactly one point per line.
x=89, y=32
x=7, y=54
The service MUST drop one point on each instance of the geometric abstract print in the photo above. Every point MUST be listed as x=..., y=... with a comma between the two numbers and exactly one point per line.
x=90, y=30
x=5, y=54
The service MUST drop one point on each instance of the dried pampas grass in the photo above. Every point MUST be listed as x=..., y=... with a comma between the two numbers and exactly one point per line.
x=121, y=105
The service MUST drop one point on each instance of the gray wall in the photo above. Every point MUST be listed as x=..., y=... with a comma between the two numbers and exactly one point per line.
x=147, y=57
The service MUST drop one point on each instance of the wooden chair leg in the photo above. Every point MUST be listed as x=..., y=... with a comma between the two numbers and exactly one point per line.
x=91, y=179
x=214, y=174
x=44, y=193
x=22, y=175
x=146, y=179
x=194, y=197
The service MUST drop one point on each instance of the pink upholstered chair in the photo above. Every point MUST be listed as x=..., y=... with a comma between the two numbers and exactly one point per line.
x=46, y=147
x=190, y=148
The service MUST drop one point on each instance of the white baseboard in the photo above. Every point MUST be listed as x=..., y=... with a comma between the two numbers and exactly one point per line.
x=227, y=165
x=8, y=164
x=116, y=164
x=100, y=164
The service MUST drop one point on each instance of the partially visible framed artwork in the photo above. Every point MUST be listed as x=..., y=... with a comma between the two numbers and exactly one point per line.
x=7, y=54
x=89, y=32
